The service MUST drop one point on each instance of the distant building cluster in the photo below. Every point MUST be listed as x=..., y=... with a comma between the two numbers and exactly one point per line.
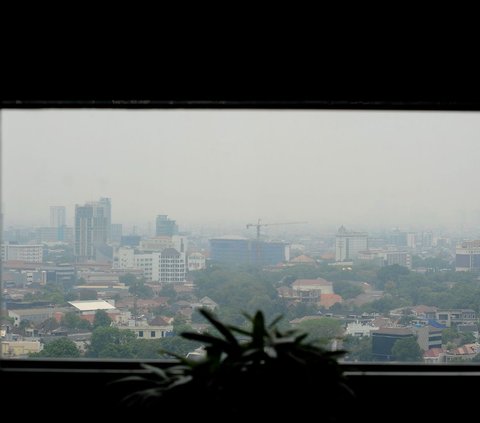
x=394, y=247
x=140, y=278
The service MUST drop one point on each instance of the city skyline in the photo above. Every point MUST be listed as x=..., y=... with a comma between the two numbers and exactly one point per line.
x=325, y=167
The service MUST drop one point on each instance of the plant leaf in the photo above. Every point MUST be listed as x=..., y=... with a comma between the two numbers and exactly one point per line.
x=220, y=343
x=240, y=330
x=223, y=329
x=259, y=331
x=156, y=370
x=275, y=321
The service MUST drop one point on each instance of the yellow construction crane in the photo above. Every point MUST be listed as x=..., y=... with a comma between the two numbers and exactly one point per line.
x=259, y=224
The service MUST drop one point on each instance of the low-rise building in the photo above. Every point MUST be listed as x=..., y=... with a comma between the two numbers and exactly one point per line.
x=33, y=315
x=456, y=317
x=22, y=252
x=17, y=349
x=384, y=339
x=87, y=309
x=196, y=261
x=465, y=352
x=434, y=356
x=318, y=292
x=428, y=337
x=155, y=329
x=359, y=330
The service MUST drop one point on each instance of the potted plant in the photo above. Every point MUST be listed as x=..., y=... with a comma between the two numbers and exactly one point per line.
x=246, y=373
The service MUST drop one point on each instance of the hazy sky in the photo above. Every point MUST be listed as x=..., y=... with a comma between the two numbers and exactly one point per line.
x=357, y=168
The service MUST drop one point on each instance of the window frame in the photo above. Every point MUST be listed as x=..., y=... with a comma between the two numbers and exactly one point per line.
x=114, y=366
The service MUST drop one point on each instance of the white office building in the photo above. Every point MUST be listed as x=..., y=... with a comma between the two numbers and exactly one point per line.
x=168, y=265
x=19, y=252
x=349, y=244
x=196, y=261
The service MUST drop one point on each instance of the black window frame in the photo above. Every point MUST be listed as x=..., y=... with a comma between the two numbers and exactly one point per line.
x=374, y=380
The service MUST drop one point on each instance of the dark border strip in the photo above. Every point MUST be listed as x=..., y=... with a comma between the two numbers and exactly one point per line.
x=237, y=104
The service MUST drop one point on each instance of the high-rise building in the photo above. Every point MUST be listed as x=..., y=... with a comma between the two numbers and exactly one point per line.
x=116, y=232
x=92, y=226
x=349, y=244
x=130, y=240
x=398, y=238
x=165, y=226
x=166, y=266
x=106, y=203
x=427, y=239
x=57, y=216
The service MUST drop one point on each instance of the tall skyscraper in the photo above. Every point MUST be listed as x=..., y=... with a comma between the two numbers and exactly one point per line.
x=349, y=244
x=116, y=232
x=57, y=216
x=165, y=226
x=107, y=202
x=92, y=227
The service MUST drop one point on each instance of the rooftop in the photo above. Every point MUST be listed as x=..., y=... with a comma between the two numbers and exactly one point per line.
x=91, y=305
x=393, y=331
x=311, y=282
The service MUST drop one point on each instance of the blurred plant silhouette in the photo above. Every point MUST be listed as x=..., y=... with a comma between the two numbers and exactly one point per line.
x=247, y=373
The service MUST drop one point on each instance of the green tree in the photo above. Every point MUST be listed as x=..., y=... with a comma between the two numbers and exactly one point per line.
x=24, y=324
x=449, y=335
x=346, y=289
x=385, y=304
x=71, y=320
x=323, y=329
x=101, y=319
x=407, y=349
x=391, y=273
x=234, y=289
x=110, y=342
x=169, y=292
x=358, y=348
x=49, y=324
x=467, y=338
x=128, y=279
x=141, y=290
x=60, y=348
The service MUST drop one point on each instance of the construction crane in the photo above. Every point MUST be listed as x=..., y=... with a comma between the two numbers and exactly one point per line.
x=258, y=225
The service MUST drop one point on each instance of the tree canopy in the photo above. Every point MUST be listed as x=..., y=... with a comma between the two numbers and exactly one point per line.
x=101, y=319
x=323, y=329
x=407, y=349
x=59, y=348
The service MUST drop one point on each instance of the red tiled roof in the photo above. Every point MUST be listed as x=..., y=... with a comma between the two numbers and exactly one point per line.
x=467, y=349
x=433, y=352
x=424, y=309
x=327, y=300
x=158, y=321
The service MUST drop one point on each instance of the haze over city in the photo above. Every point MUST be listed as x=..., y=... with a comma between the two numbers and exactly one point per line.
x=358, y=168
